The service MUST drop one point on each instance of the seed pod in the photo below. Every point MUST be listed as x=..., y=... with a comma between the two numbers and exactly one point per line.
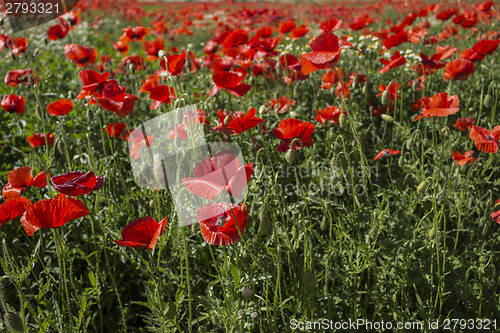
x=342, y=119
x=488, y=101
x=421, y=187
x=247, y=293
x=401, y=161
x=241, y=313
x=14, y=321
x=385, y=97
x=386, y=118
x=265, y=223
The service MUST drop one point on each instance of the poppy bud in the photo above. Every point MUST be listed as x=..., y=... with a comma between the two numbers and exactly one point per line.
x=151, y=203
x=414, y=85
x=262, y=109
x=401, y=161
x=76, y=158
x=385, y=97
x=161, y=54
x=265, y=224
x=432, y=233
x=193, y=228
x=131, y=67
x=309, y=279
x=60, y=146
x=324, y=223
x=483, y=66
x=409, y=144
x=386, y=118
x=21, y=124
x=247, y=293
x=227, y=119
x=365, y=88
x=241, y=313
x=471, y=109
x=254, y=315
x=164, y=75
x=342, y=119
x=488, y=101
x=37, y=112
x=90, y=115
x=421, y=187
x=71, y=94
x=14, y=321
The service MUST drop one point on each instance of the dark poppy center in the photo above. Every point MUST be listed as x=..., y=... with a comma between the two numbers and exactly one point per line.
x=489, y=137
x=221, y=221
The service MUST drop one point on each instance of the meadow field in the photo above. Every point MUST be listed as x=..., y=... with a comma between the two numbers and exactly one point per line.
x=250, y=167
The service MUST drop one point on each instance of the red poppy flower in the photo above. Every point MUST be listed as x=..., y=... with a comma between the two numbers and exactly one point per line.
x=463, y=124
x=60, y=107
x=330, y=113
x=326, y=53
x=115, y=129
x=137, y=61
x=235, y=38
x=152, y=81
x=137, y=33
x=331, y=24
x=393, y=89
x=14, y=77
x=80, y=55
x=485, y=140
x=141, y=233
x=471, y=55
x=77, y=183
x=12, y=103
x=16, y=44
x=386, y=152
x=446, y=52
x=216, y=173
x=458, y=69
x=222, y=127
x=92, y=82
x=221, y=223
x=175, y=64
x=41, y=139
x=243, y=123
x=58, y=31
x=52, y=213
x=439, y=105
x=153, y=47
x=121, y=46
x=113, y=98
x=300, y=31
x=361, y=22
x=463, y=159
x=12, y=208
x=486, y=47
x=231, y=82
x=137, y=141
x=282, y=104
x=20, y=179
x=161, y=94
x=285, y=27
x=289, y=129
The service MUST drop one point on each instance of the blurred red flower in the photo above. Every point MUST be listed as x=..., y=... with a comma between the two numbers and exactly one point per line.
x=141, y=233
x=330, y=113
x=137, y=33
x=484, y=139
x=216, y=173
x=231, y=82
x=463, y=159
x=386, y=152
x=60, y=107
x=52, y=213
x=14, y=77
x=463, y=124
x=458, y=69
x=41, y=139
x=80, y=55
x=13, y=104
x=289, y=129
x=20, y=179
x=221, y=223
x=326, y=53
x=77, y=183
